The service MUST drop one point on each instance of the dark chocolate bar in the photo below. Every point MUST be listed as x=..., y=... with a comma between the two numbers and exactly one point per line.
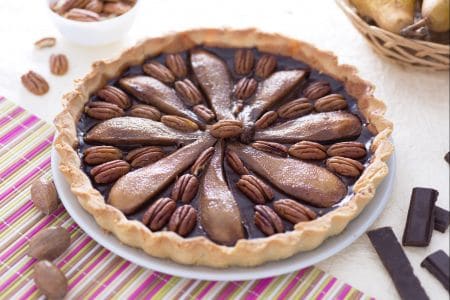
x=420, y=221
x=441, y=219
x=396, y=263
x=438, y=264
x=447, y=157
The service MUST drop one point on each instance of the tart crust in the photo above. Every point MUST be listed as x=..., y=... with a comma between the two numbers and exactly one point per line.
x=200, y=250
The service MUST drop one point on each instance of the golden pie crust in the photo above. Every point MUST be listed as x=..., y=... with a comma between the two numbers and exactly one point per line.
x=200, y=250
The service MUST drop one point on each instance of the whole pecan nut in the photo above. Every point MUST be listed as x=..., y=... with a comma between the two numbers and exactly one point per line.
x=100, y=154
x=271, y=147
x=59, y=65
x=308, y=150
x=50, y=280
x=204, y=112
x=177, y=65
x=158, y=71
x=295, y=108
x=189, y=92
x=144, y=156
x=35, y=83
x=185, y=188
x=243, y=61
x=345, y=166
x=347, y=149
x=317, y=90
x=44, y=195
x=267, y=220
x=293, y=211
x=255, y=189
x=114, y=95
x=183, y=220
x=110, y=171
x=265, y=66
x=201, y=162
x=159, y=213
x=95, y=6
x=102, y=110
x=266, y=119
x=236, y=163
x=49, y=243
x=82, y=15
x=179, y=123
x=245, y=88
x=226, y=129
x=145, y=111
x=330, y=102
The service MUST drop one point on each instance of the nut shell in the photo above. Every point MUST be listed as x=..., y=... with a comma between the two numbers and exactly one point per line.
x=44, y=195
x=49, y=243
x=50, y=280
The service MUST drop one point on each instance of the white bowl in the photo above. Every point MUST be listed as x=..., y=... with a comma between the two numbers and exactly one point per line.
x=94, y=33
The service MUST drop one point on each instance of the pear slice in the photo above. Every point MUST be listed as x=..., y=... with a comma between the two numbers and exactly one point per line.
x=130, y=130
x=219, y=212
x=301, y=180
x=322, y=127
x=135, y=188
x=212, y=75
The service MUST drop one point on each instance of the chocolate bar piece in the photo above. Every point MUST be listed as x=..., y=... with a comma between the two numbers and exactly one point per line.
x=441, y=219
x=420, y=221
x=396, y=263
x=447, y=157
x=438, y=264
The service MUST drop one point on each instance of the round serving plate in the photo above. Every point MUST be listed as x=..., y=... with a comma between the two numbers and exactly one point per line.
x=330, y=247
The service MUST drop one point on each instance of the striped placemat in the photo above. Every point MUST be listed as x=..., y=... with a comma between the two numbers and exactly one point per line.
x=94, y=272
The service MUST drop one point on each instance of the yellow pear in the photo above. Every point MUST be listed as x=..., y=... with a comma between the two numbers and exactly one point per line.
x=392, y=15
x=436, y=14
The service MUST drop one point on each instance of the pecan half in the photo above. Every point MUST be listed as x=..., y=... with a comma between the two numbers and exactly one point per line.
x=114, y=95
x=185, y=188
x=265, y=66
x=95, y=6
x=243, y=61
x=46, y=42
x=255, y=189
x=236, y=163
x=144, y=156
x=308, y=150
x=176, y=64
x=317, y=90
x=266, y=119
x=159, y=213
x=347, y=149
x=179, y=123
x=189, y=92
x=82, y=15
x=65, y=6
x=110, y=171
x=345, y=166
x=102, y=110
x=267, y=220
x=271, y=147
x=44, y=195
x=245, y=88
x=59, y=65
x=145, y=111
x=204, y=112
x=293, y=211
x=331, y=102
x=226, y=129
x=295, y=108
x=100, y=154
x=115, y=8
x=35, y=83
x=183, y=220
x=201, y=162
x=158, y=71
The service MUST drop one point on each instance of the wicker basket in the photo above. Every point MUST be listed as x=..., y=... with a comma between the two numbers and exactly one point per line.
x=419, y=54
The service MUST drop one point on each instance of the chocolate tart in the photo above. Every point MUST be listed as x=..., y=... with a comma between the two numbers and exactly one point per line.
x=220, y=147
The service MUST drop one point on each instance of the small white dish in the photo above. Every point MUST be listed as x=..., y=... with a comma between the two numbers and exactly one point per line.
x=94, y=33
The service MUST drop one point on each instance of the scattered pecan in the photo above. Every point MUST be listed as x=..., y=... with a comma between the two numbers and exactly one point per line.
x=100, y=154
x=110, y=171
x=115, y=8
x=59, y=65
x=204, y=112
x=271, y=147
x=293, y=211
x=95, y=6
x=265, y=66
x=49, y=243
x=159, y=213
x=317, y=90
x=44, y=195
x=226, y=129
x=201, y=162
x=183, y=220
x=179, y=123
x=189, y=92
x=267, y=220
x=331, y=102
x=308, y=150
x=185, y=188
x=348, y=149
x=102, y=110
x=144, y=156
x=255, y=189
x=176, y=64
x=114, y=95
x=82, y=15
x=46, y=42
x=158, y=71
x=245, y=88
x=50, y=280
x=266, y=119
x=236, y=163
x=345, y=166
x=35, y=83
x=243, y=61
x=295, y=108
x=145, y=111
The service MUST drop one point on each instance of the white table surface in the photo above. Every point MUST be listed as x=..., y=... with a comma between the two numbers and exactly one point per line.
x=418, y=102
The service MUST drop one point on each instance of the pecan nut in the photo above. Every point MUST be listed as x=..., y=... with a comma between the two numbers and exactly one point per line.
x=50, y=280
x=255, y=189
x=317, y=90
x=189, y=92
x=265, y=66
x=271, y=147
x=177, y=65
x=49, y=243
x=114, y=95
x=185, y=188
x=345, y=166
x=102, y=110
x=145, y=111
x=183, y=220
x=295, y=108
x=201, y=162
x=266, y=119
x=204, y=112
x=348, y=149
x=245, y=88
x=59, y=65
x=330, y=102
x=46, y=42
x=243, y=61
x=226, y=129
x=64, y=6
x=100, y=154
x=44, y=195
x=35, y=83
x=110, y=171
x=236, y=163
x=115, y=8
x=179, y=123
x=158, y=71
x=144, y=156
x=95, y=6
x=293, y=211
x=308, y=150
x=82, y=15
x=267, y=220
x=159, y=213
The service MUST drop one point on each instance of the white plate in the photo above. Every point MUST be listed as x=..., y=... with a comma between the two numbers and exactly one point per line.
x=330, y=247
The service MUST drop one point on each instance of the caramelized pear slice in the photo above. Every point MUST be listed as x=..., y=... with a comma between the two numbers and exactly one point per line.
x=322, y=127
x=219, y=213
x=130, y=130
x=305, y=181
x=137, y=187
x=270, y=91
x=152, y=91
x=213, y=76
